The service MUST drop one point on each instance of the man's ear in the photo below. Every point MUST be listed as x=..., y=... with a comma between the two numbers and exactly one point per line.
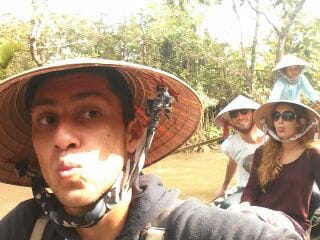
x=230, y=122
x=135, y=135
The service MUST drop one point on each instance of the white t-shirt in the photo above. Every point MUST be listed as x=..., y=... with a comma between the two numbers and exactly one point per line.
x=241, y=152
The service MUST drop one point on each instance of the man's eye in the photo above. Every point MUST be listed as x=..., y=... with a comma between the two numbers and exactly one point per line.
x=91, y=114
x=47, y=120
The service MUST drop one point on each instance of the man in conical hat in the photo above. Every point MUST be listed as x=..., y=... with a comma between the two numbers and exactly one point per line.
x=239, y=147
x=79, y=133
x=292, y=81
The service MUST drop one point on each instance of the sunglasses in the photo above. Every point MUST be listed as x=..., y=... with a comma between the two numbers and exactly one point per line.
x=234, y=113
x=287, y=116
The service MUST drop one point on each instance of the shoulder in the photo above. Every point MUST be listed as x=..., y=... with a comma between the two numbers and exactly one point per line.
x=190, y=205
x=193, y=219
x=23, y=215
x=258, y=152
x=314, y=152
x=186, y=219
x=235, y=137
x=303, y=78
x=304, y=81
x=280, y=81
x=257, y=156
x=25, y=209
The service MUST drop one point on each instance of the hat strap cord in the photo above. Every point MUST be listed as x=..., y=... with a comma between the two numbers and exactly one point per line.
x=291, y=81
x=314, y=123
x=52, y=208
x=155, y=105
x=161, y=102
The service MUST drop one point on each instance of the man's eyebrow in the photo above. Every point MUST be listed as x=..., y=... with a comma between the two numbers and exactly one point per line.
x=77, y=96
x=83, y=95
x=43, y=102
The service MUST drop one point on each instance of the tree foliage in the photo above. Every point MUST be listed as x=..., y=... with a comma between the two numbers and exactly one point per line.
x=168, y=35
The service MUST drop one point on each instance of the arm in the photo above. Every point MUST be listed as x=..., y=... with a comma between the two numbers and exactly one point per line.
x=193, y=220
x=316, y=168
x=309, y=90
x=276, y=90
x=230, y=171
x=18, y=224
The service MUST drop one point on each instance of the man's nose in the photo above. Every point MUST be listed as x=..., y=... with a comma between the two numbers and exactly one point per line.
x=66, y=137
x=241, y=116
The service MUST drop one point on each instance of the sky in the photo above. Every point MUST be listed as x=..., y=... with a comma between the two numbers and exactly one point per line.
x=220, y=21
x=116, y=10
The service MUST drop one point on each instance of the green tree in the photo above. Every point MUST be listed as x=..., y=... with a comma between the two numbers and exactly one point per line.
x=7, y=50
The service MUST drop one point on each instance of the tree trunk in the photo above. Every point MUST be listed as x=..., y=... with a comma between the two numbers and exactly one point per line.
x=34, y=36
x=280, y=46
x=254, y=47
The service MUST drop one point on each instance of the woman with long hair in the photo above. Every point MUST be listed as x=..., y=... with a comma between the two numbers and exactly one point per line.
x=285, y=168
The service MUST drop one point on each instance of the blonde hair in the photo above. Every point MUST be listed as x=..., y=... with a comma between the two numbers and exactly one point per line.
x=272, y=152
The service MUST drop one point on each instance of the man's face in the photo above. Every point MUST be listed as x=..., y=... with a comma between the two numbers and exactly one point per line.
x=242, y=120
x=79, y=137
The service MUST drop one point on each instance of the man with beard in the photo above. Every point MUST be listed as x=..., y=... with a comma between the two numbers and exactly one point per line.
x=239, y=147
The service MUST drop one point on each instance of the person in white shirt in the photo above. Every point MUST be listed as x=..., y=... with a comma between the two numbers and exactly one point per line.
x=239, y=147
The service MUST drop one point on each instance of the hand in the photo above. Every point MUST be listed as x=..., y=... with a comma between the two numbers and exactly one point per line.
x=219, y=193
x=217, y=197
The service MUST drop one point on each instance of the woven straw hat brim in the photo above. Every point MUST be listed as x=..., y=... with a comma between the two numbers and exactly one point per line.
x=290, y=60
x=240, y=102
x=264, y=112
x=172, y=132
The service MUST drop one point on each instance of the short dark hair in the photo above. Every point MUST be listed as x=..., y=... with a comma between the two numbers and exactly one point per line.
x=115, y=81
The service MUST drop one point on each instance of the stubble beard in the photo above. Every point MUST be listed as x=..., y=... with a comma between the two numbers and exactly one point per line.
x=245, y=130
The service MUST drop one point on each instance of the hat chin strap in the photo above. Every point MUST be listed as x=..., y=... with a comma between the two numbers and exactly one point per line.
x=291, y=81
x=266, y=130
x=54, y=210
x=121, y=189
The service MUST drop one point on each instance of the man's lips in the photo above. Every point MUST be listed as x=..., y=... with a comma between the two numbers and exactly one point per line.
x=65, y=169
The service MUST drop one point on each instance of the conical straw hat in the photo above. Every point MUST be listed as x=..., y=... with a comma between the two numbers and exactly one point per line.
x=263, y=114
x=290, y=60
x=172, y=132
x=240, y=102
